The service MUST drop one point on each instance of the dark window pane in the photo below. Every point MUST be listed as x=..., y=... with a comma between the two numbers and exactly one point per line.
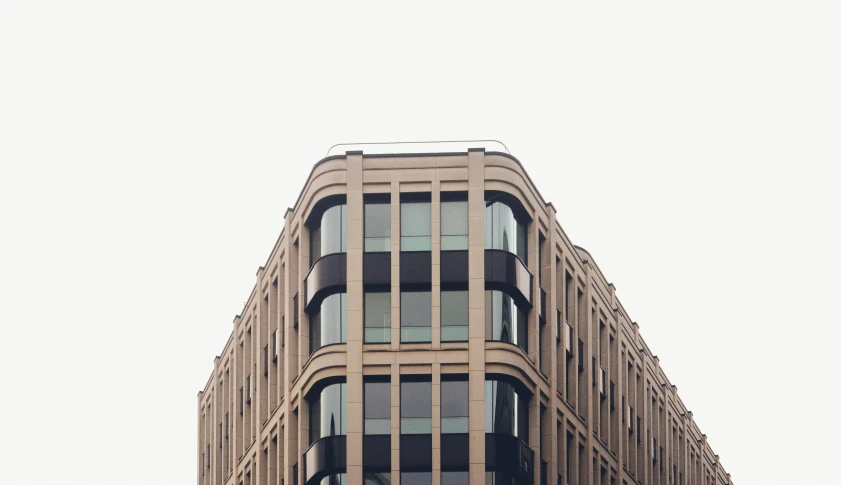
x=506, y=412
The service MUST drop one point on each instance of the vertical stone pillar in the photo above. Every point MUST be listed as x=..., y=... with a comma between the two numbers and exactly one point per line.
x=476, y=311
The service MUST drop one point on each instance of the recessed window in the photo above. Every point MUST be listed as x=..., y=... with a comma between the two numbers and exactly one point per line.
x=504, y=321
x=454, y=316
x=504, y=230
x=328, y=236
x=454, y=225
x=377, y=317
x=377, y=408
x=415, y=407
x=415, y=316
x=328, y=326
x=328, y=411
x=454, y=406
x=415, y=226
x=275, y=345
x=377, y=227
x=506, y=410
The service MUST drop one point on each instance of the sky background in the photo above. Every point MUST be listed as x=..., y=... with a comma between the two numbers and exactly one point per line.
x=149, y=150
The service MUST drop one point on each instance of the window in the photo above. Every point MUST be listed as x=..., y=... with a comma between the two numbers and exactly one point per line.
x=454, y=406
x=503, y=230
x=377, y=408
x=455, y=478
x=328, y=326
x=377, y=227
x=275, y=345
x=415, y=407
x=506, y=410
x=415, y=316
x=504, y=321
x=248, y=389
x=568, y=331
x=454, y=327
x=415, y=226
x=328, y=411
x=416, y=478
x=328, y=235
x=377, y=478
x=266, y=360
x=454, y=225
x=377, y=317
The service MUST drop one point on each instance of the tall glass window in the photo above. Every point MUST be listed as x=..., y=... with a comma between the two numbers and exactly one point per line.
x=503, y=230
x=415, y=226
x=415, y=407
x=453, y=225
x=377, y=227
x=504, y=321
x=454, y=313
x=329, y=325
x=328, y=411
x=330, y=234
x=506, y=410
x=377, y=478
x=415, y=316
x=377, y=408
x=454, y=406
x=377, y=317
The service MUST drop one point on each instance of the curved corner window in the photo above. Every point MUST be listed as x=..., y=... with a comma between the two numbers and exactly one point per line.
x=328, y=411
x=330, y=234
x=503, y=230
x=329, y=325
x=506, y=410
x=504, y=321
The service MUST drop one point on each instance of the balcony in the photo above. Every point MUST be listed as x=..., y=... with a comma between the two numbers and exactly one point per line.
x=504, y=271
x=509, y=454
x=325, y=457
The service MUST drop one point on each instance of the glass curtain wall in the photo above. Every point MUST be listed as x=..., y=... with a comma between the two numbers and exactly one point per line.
x=503, y=230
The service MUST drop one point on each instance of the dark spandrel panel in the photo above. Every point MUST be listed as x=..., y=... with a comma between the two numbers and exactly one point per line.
x=325, y=457
x=416, y=400
x=455, y=451
x=376, y=269
x=454, y=399
x=454, y=268
x=376, y=453
x=377, y=400
x=416, y=268
x=416, y=452
x=328, y=275
x=415, y=309
x=505, y=272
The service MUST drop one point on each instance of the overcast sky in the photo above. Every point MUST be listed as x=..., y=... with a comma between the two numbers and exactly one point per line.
x=149, y=150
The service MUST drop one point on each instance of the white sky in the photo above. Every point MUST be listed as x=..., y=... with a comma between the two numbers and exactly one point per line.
x=148, y=152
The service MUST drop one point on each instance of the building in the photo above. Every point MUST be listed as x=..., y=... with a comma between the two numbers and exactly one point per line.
x=424, y=319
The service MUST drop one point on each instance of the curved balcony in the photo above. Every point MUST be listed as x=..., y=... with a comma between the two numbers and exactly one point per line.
x=327, y=276
x=504, y=271
x=325, y=457
x=510, y=455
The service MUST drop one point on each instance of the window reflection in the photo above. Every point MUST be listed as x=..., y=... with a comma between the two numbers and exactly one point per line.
x=506, y=410
x=328, y=326
x=415, y=226
x=329, y=235
x=503, y=230
x=504, y=321
x=327, y=412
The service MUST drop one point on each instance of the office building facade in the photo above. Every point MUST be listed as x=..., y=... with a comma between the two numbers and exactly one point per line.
x=423, y=319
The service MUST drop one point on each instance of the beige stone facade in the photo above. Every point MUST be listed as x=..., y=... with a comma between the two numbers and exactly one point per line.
x=600, y=409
